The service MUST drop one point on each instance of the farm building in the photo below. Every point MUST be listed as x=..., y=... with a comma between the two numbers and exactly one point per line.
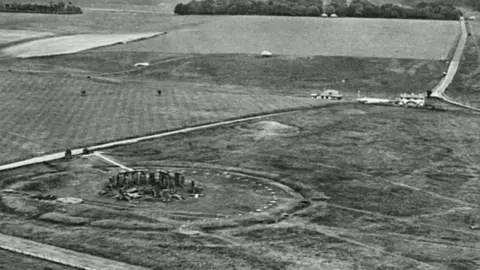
x=412, y=99
x=333, y=15
x=324, y=15
x=328, y=94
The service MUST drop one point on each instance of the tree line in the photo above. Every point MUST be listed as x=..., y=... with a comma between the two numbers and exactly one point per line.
x=54, y=8
x=357, y=8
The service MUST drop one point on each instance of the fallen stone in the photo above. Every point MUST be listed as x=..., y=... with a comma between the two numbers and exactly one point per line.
x=131, y=190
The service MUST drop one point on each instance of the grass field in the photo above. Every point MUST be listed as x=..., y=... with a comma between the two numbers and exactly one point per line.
x=71, y=44
x=411, y=39
x=402, y=185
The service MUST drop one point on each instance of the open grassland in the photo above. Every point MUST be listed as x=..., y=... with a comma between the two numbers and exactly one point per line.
x=403, y=188
x=71, y=44
x=9, y=36
x=413, y=39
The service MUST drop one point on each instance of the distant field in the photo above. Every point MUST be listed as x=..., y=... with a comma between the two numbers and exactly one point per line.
x=413, y=39
x=8, y=36
x=163, y=6
x=99, y=22
x=70, y=44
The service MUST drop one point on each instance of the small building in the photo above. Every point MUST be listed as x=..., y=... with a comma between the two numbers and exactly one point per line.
x=324, y=15
x=334, y=15
x=412, y=99
x=142, y=64
x=266, y=54
x=330, y=94
x=472, y=18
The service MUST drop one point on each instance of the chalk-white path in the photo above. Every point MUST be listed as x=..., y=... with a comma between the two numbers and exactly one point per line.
x=113, y=161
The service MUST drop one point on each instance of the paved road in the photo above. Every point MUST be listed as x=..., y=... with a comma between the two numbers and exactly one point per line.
x=454, y=63
x=61, y=255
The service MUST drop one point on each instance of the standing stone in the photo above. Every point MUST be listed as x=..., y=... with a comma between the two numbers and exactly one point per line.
x=121, y=180
x=111, y=181
x=139, y=178
x=135, y=178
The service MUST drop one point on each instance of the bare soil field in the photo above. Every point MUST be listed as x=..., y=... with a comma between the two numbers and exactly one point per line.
x=9, y=36
x=413, y=39
x=71, y=44
x=401, y=191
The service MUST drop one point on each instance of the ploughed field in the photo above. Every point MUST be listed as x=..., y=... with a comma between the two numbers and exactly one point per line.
x=380, y=187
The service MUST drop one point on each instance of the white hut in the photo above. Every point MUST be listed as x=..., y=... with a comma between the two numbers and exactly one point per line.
x=334, y=15
x=472, y=18
x=266, y=54
x=324, y=15
x=142, y=64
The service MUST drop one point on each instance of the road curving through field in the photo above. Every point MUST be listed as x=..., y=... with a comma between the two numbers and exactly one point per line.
x=78, y=151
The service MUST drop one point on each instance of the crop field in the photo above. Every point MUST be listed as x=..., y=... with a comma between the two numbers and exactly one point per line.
x=71, y=44
x=412, y=39
x=401, y=189
x=8, y=36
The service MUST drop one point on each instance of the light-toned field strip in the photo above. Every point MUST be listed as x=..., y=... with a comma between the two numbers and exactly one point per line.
x=9, y=35
x=61, y=255
x=72, y=44
x=113, y=161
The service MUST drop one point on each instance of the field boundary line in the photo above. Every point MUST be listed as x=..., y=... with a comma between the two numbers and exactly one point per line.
x=61, y=255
